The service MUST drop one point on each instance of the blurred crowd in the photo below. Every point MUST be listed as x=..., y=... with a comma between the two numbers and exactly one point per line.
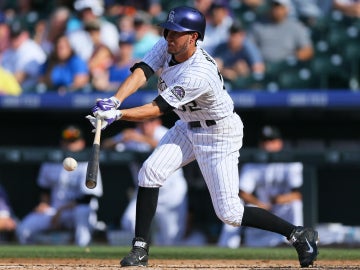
x=89, y=45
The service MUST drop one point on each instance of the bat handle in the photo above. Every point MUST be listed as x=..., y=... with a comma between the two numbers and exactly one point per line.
x=97, y=131
x=93, y=165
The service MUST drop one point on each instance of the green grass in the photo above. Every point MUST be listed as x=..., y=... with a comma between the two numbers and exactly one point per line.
x=208, y=252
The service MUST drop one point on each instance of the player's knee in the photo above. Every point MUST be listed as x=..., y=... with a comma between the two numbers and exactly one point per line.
x=231, y=220
x=149, y=176
x=232, y=217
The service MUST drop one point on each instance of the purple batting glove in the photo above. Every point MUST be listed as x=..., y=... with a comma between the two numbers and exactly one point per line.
x=109, y=116
x=105, y=105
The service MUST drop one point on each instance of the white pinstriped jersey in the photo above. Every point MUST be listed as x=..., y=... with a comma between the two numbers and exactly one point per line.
x=269, y=180
x=199, y=93
x=195, y=89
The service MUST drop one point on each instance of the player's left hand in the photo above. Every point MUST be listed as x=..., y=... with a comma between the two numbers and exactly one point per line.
x=105, y=104
x=108, y=117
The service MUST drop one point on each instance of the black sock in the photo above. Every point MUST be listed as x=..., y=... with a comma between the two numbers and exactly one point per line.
x=262, y=219
x=146, y=203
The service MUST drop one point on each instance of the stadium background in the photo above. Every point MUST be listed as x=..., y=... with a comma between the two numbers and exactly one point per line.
x=320, y=121
x=313, y=132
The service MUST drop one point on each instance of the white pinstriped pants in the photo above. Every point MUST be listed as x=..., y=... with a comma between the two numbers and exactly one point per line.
x=216, y=149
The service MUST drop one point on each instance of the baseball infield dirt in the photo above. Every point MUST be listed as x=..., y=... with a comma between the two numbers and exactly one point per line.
x=89, y=264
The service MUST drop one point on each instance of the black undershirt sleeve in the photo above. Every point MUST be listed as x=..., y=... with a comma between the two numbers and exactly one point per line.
x=148, y=71
x=163, y=105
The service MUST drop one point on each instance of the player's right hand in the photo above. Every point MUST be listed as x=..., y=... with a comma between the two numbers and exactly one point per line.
x=105, y=104
x=108, y=117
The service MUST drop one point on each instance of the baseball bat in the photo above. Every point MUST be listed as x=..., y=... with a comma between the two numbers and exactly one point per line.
x=93, y=164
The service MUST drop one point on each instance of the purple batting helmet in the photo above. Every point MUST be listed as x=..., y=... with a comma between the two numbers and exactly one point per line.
x=185, y=19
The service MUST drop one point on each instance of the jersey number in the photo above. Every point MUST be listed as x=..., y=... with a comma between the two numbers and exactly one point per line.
x=191, y=106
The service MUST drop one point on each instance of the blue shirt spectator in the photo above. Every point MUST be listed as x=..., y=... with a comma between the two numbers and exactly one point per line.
x=63, y=74
x=248, y=52
x=239, y=56
x=64, y=70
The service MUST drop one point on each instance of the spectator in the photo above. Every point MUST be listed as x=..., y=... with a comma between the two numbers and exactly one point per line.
x=64, y=71
x=280, y=38
x=114, y=9
x=350, y=8
x=146, y=35
x=23, y=58
x=9, y=84
x=308, y=11
x=126, y=26
x=8, y=221
x=26, y=12
x=153, y=7
x=65, y=201
x=273, y=186
x=101, y=58
x=204, y=6
x=170, y=217
x=239, y=57
x=90, y=10
x=4, y=34
x=218, y=25
x=48, y=31
x=252, y=4
x=120, y=69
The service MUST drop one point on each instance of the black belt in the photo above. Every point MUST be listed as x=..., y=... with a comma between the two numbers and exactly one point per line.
x=197, y=124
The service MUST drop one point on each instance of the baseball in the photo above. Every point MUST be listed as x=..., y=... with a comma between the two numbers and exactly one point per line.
x=69, y=164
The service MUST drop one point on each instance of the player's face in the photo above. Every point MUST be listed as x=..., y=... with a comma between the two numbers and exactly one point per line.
x=179, y=42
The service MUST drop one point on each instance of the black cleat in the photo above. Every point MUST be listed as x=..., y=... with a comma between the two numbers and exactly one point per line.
x=305, y=242
x=138, y=255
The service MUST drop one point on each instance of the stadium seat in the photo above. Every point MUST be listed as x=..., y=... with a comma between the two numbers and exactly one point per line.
x=300, y=78
x=329, y=71
x=249, y=82
x=352, y=58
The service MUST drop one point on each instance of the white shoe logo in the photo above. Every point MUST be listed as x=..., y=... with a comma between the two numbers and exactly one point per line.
x=141, y=257
x=311, y=250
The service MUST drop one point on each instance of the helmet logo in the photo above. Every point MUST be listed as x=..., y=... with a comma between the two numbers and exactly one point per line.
x=171, y=16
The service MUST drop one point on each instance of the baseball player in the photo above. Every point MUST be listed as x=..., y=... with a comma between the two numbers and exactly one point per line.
x=208, y=131
x=274, y=186
x=65, y=201
x=171, y=212
x=8, y=221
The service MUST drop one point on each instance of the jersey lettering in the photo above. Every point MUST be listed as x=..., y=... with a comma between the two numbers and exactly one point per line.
x=221, y=79
x=161, y=84
x=208, y=58
x=191, y=106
